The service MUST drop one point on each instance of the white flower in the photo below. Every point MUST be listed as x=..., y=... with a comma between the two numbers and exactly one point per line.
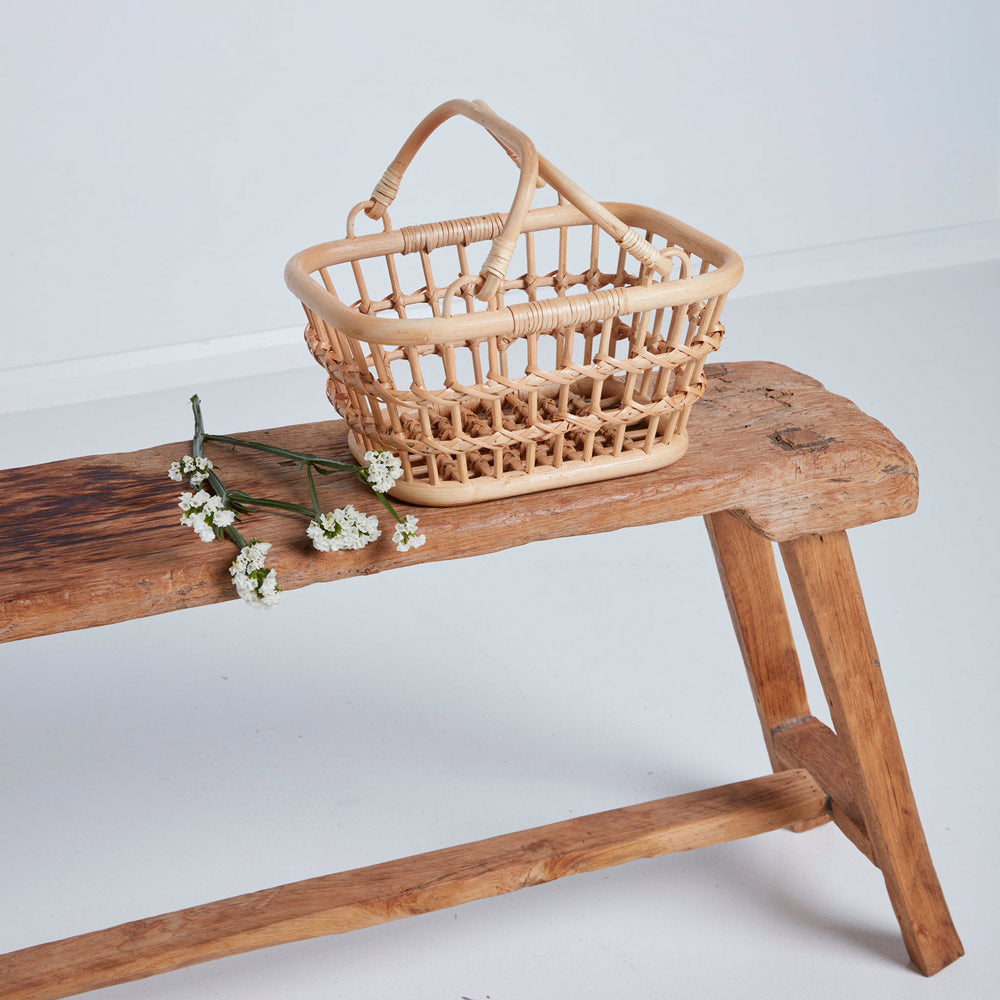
x=196, y=468
x=204, y=512
x=405, y=536
x=343, y=528
x=382, y=469
x=254, y=582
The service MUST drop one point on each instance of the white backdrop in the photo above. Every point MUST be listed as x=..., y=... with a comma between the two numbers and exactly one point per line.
x=162, y=161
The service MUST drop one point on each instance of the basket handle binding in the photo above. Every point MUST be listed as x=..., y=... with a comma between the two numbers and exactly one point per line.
x=517, y=145
x=533, y=167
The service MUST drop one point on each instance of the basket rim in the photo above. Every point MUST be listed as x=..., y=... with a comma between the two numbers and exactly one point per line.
x=399, y=332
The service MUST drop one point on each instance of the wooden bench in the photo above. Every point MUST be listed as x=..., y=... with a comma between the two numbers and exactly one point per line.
x=774, y=458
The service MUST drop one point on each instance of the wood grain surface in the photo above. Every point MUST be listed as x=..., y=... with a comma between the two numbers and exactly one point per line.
x=810, y=744
x=750, y=582
x=337, y=903
x=95, y=540
x=749, y=576
x=825, y=583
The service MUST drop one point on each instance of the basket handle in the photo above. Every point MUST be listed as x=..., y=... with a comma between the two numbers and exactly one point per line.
x=514, y=142
x=533, y=167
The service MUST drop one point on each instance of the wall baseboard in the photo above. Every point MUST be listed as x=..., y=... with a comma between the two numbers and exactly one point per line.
x=254, y=355
x=928, y=249
x=130, y=373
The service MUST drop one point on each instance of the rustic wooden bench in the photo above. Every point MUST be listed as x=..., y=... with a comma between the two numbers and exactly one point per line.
x=774, y=458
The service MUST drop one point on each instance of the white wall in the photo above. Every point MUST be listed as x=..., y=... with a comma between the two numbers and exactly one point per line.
x=162, y=161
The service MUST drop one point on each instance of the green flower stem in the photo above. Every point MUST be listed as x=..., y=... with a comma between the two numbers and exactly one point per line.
x=197, y=445
x=248, y=501
x=198, y=451
x=312, y=491
x=235, y=537
x=299, y=456
x=389, y=507
x=242, y=503
x=219, y=487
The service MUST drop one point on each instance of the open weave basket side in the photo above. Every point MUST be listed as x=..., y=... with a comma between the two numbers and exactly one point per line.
x=582, y=366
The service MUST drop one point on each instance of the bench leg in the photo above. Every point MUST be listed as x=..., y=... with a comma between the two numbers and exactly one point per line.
x=825, y=583
x=753, y=592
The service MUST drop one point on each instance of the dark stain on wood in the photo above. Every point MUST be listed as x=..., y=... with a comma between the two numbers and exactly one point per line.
x=798, y=438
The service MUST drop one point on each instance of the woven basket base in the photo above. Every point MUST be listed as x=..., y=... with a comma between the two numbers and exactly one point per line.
x=512, y=484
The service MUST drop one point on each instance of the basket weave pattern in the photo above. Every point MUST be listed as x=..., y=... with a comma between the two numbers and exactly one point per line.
x=516, y=419
x=585, y=364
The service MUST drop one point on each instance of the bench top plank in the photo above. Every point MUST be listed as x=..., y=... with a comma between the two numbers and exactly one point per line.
x=95, y=540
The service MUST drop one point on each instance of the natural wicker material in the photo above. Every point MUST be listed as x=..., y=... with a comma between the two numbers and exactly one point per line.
x=582, y=367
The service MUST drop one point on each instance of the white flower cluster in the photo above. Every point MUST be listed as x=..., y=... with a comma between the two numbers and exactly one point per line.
x=254, y=582
x=405, y=536
x=196, y=468
x=204, y=512
x=382, y=469
x=343, y=528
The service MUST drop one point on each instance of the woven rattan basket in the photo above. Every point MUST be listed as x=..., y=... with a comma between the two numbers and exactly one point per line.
x=581, y=367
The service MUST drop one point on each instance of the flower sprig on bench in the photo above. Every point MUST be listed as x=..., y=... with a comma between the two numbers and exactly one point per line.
x=215, y=514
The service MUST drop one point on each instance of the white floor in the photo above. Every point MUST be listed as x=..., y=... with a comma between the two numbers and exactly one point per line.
x=163, y=763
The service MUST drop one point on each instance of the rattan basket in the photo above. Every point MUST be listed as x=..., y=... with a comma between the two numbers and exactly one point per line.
x=582, y=367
